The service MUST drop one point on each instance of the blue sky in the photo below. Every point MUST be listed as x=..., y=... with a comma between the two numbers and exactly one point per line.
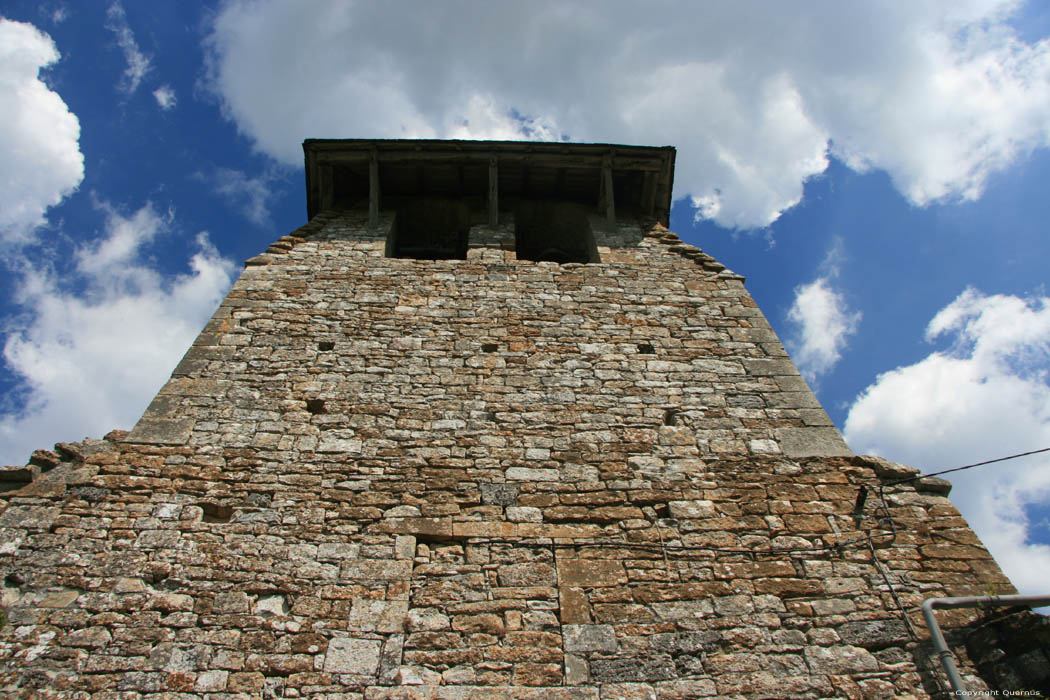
x=876, y=169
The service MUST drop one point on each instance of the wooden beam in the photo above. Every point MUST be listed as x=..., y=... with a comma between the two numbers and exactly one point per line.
x=581, y=161
x=606, y=200
x=373, y=190
x=493, y=192
x=327, y=194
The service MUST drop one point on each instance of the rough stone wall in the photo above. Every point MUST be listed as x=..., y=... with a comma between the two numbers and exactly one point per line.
x=376, y=478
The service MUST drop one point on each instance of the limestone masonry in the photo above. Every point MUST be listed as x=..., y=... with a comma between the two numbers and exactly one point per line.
x=484, y=428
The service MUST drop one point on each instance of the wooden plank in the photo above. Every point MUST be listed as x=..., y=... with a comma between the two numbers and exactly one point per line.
x=327, y=194
x=541, y=160
x=493, y=192
x=313, y=191
x=607, y=189
x=373, y=190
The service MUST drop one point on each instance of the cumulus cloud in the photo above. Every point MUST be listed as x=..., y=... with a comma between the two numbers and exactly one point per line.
x=986, y=396
x=823, y=320
x=138, y=62
x=755, y=96
x=90, y=360
x=165, y=97
x=824, y=324
x=40, y=159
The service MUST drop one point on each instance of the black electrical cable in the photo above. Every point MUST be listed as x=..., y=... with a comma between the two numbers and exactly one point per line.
x=968, y=466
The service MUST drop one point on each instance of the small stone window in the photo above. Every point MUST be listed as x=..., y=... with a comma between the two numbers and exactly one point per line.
x=216, y=512
x=430, y=229
x=553, y=231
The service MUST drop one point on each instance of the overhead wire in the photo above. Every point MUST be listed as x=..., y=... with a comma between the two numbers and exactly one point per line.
x=968, y=466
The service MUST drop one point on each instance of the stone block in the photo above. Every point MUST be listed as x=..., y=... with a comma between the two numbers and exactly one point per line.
x=231, y=602
x=692, y=509
x=499, y=494
x=874, y=634
x=161, y=431
x=577, y=671
x=530, y=474
x=376, y=569
x=628, y=691
x=369, y=615
x=840, y=659
x=651, y=667
x=335, y=442
x=590, y=573
x=212, y=681
x=527, y=574
x=28, y=517
x=811, y=442
x=524, y=514
x=355, y=656
x=585, y=638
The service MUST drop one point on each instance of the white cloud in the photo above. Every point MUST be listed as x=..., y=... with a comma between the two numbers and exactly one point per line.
x=138, y=62
x=250, y=194
x=165, y=97
x=823, y=320
x=40, y=159
x=986, y=397
x=91, y=360
x=824, y=324
x=939, y=94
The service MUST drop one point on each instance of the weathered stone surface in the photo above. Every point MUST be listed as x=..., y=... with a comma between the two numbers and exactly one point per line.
x=482, y=477
x=369, y=615
x=874, y=634
x=161, y=431
x=590, y=572
x=840, y=660
x=811, y=442
x=582, y=638
x=356, y=656
x=653, y=667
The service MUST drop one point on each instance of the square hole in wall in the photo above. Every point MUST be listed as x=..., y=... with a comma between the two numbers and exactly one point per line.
x=430, y=229
x=553, y=231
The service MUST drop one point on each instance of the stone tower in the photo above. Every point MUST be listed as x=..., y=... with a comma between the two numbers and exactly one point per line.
x=482, y=428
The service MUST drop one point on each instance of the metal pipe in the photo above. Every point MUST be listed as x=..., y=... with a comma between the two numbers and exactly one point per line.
x=985, y=601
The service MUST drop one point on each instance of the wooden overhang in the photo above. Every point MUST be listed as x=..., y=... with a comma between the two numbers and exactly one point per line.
x=374, y=173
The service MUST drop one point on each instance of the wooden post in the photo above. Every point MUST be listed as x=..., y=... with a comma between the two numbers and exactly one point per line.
x=493, y=192
x=326, y=187
x=607, y=189
x=373, y=190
